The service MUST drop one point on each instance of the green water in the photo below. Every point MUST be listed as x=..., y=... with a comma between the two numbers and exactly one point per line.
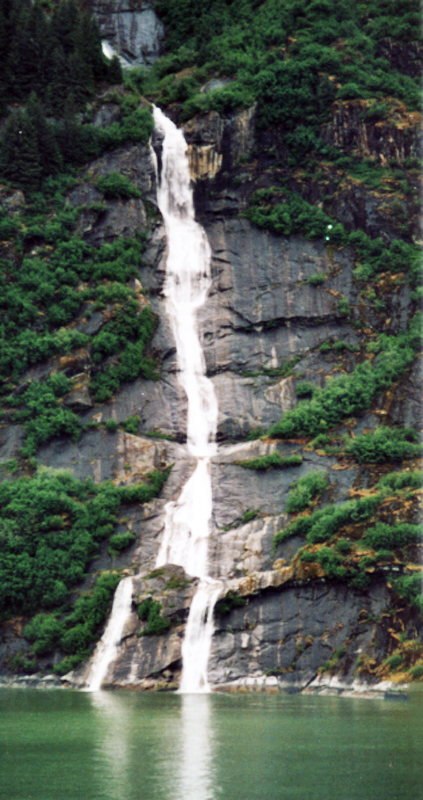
x=58, y=745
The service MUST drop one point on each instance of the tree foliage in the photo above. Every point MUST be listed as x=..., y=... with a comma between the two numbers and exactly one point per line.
x=50, y=528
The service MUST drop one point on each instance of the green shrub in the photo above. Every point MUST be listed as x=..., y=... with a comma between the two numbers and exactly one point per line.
x=317, y=279
x=367, y=562
x=385, y=444
x=401, y=480
x=329, y=560
x=409, y=587
x=304, y=389
x=150, y=611
x=50, y=526
x=394, y=661
x=225, y=605
x=120, y=541
x=320, y=441
x=132, y=360
x=322, y=524
x=76, y=639
x=392, y=536
x=70, y=663
x=293, y=215
x=359, y=580
x=351, y=394
x=22, y=664
x=416, y=672
x=384, y=555
x=117, y=186
x=250, y=515
x=272, y=461
x=111, y=425
x=305, y=490
x=343, y=547
x=45, y=631
x=42, y=414
x=131, y=425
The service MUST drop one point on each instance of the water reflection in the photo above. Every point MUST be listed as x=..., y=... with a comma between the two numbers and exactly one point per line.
x=196, y=768
x=163, y=745
x=113, y=730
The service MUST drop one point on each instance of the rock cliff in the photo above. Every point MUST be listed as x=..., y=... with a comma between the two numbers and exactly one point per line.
x=133, y=30
x=263, y=327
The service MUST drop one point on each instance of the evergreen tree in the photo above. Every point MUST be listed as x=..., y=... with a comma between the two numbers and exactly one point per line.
x=20, y=156
x=88, y=44
x=39, y=50
x=49, y=155
x=68, y=132
x=115, y=71
x=79, y=81
x=57, y=88
x=18, y=66
x=64, y=24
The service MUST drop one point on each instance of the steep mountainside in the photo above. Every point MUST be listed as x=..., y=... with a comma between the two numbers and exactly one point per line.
x=304, y=153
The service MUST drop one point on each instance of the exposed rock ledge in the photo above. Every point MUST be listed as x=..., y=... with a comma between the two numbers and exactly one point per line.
x=323, y=685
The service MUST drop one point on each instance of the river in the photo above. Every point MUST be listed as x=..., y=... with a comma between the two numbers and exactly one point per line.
x=66, y=745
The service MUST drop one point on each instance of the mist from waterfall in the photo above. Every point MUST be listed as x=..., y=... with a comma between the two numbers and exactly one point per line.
x=187, y=520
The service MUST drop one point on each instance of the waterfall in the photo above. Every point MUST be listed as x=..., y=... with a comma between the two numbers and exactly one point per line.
x=187, y=520
x=107, y=647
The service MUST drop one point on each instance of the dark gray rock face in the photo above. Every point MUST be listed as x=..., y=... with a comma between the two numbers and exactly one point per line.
x=292, y=632
x=134, y=31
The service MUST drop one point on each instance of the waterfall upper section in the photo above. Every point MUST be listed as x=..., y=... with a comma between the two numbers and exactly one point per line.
x=187, y=520
x=187, y=284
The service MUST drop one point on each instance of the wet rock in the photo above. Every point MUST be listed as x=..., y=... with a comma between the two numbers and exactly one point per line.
x=11, y=440
x=395, y=136
x=134, y=31
x=79, y=397
x=292, y=632
x=12, y=203
x=133, y=161
x=152, y=661
x=122, y=218
x=217, y=142
x=106, y=115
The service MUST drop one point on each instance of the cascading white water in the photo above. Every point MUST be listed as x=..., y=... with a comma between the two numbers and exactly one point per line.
x=187, y=521
x=107, y=647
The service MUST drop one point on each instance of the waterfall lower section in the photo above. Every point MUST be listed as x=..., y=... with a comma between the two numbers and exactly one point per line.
x=107, y=647
x=187, y=521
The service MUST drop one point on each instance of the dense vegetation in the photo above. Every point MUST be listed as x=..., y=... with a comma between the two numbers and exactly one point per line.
x=295, y=58
x=54, y=51
x=52, y=64
x=353, y=541
x=52, y=283
x=51, y=526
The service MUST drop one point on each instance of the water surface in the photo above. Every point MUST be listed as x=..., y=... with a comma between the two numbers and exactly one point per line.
x=65, y=745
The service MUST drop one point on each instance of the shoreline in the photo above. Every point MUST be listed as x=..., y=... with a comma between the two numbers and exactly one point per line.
x=325, y=686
